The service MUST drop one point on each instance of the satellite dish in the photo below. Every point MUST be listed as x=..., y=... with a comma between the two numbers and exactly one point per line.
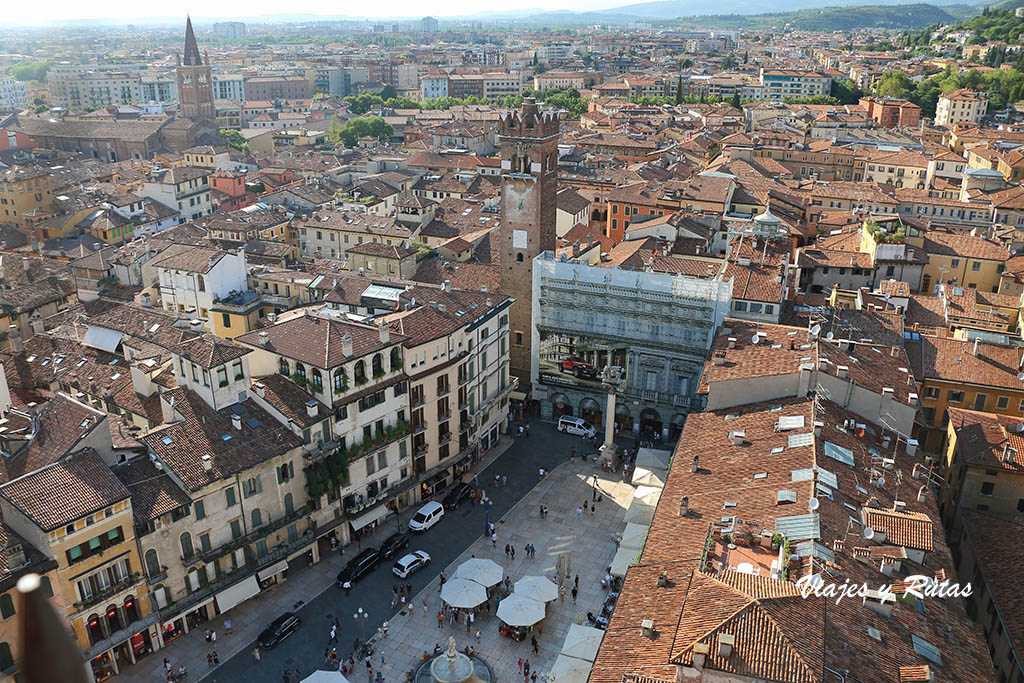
x=1020, y=376
x=816, y=330
x=813, y=504
x=869, y=533
x=830, y=334
x=754, y=339
x=887, y=296
x=881, y=482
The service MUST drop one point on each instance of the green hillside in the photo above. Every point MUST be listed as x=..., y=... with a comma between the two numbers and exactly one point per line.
x=835, y=18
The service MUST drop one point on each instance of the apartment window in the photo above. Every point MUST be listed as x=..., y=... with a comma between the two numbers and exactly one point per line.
x=954, y=263
x=252, y=486
x=739, y=305
x=222, y=377
x=987, y=487
x=519, y=338
x=955, y=396
x=1002, y=402
x=257, y=518
x=931, y=392
x=236, y=529
x=229, y=497
x=226, y=319
x=979, y=401
x=200, y=509
x=204, y=542
x=187, y=551
x=976, y=265
x=382, y=460
x=929, y=415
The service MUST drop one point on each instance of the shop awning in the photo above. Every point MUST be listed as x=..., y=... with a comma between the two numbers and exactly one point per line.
x=374, y=515
x=517, y=395
x=102, y=338
x=267, y=572
x=239, y=593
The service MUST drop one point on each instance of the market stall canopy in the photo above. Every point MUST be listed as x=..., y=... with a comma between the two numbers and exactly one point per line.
x=569, y=670
x=537, y=587
x=463, y=593
x=638, y=513
x=648, y=495
x=483, y=571
x=650, y=476
x=582, y=642
x=634, y=536
x=519, y=610
x=325, y=677
x=623, y=558
x=652, y=457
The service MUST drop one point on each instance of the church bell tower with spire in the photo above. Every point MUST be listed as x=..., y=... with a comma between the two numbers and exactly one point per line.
x=195, y=84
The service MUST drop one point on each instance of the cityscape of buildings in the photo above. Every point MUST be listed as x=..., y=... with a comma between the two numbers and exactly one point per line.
x=261, y=298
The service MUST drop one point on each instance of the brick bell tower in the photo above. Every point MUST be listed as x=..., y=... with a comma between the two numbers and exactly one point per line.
x=529, y=183
x=195, y=83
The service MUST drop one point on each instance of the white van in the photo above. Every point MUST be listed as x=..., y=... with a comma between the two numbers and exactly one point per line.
x=576, y=426
x=427, y=516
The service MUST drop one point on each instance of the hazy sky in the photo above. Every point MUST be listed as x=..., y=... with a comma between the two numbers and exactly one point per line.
x=26, y=13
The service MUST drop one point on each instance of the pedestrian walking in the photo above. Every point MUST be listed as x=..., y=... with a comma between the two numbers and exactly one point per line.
x=256, y=653
x=385, y=626
x=477, y=636
x=576, y=581
x=536, y=647
x=382, y=660
x=216, y=657
x=334, y=634
x=213, y=636
x=561, y=593
x=440, y=618
x=424, y=608
x=206, y=634
x=533, y=677
x=209, y=661
x=526, y=668
x=579, y=511
x=504, y=480
x=593, y=508
x=380, y=633
x=513, y=551
x=227, y=626
x=167, y=665
x=585, y=506
x=574, y=592
x=494, y=540
x=520, y=665
x=408, y=591
x=506, y=549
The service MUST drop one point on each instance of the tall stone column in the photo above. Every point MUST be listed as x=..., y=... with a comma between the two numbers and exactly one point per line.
x=611, y=378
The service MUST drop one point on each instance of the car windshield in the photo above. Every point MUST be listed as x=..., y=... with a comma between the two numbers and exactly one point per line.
x=586, y=425
x=419, y=517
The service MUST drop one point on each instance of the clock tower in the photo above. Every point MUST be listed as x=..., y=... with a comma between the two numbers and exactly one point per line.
x=529, y=183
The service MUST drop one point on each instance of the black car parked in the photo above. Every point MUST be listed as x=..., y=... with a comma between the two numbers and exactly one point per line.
x=392, y=544
x=358, y=566
x=279, y=629
x=458, y=493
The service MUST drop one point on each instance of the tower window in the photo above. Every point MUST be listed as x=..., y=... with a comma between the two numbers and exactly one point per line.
x=519, y=258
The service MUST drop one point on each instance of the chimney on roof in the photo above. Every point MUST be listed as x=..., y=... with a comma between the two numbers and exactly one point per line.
x=260, y=389
x=446, y=286
x=684, y=506
x=312, y=409
x=922, y=493
x=738, y=437
x=725, y=643
x=700, y=655
x=384, y=331
x=14, y=333
x=695, y=465
x=207, y=462
x=236, y=422
x=841, y=371
x=647, y=628
x=894, y=351
x=264, y=338
x=732, y=342
x=912, y=446
x=346, y=344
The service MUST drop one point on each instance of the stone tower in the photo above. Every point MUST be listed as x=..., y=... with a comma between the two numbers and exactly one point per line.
x=529, y=183
x=195, y=84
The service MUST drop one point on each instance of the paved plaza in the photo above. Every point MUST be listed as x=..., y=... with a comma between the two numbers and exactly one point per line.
x=587, y=540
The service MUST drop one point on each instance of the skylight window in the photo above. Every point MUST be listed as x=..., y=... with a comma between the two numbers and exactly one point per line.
x=843, y=455
x=761, y=475
x=790, y=422
x=786, y=497
x=798, y=440
x=167, y=440
x=926, y=649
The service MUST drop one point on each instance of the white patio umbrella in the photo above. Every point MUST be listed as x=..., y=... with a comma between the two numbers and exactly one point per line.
x=648, y=495
x=652, y=457
x=623, y=558
x=483, y=571
x=634, y=536
x=537, y=587
x=325, y=677
x=519, y=610
x=569, y=670
x=649, y=476
x=463, y=593
x=639, y=513
x=582, y=642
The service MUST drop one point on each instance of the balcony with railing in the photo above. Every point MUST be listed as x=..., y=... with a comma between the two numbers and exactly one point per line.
x=111, y=590
x=264, y=530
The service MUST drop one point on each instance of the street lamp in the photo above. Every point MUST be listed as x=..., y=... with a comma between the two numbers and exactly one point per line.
x=486, y=502
x=360, y=617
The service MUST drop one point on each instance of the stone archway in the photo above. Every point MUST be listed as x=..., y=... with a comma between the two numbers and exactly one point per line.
x=560, y=405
